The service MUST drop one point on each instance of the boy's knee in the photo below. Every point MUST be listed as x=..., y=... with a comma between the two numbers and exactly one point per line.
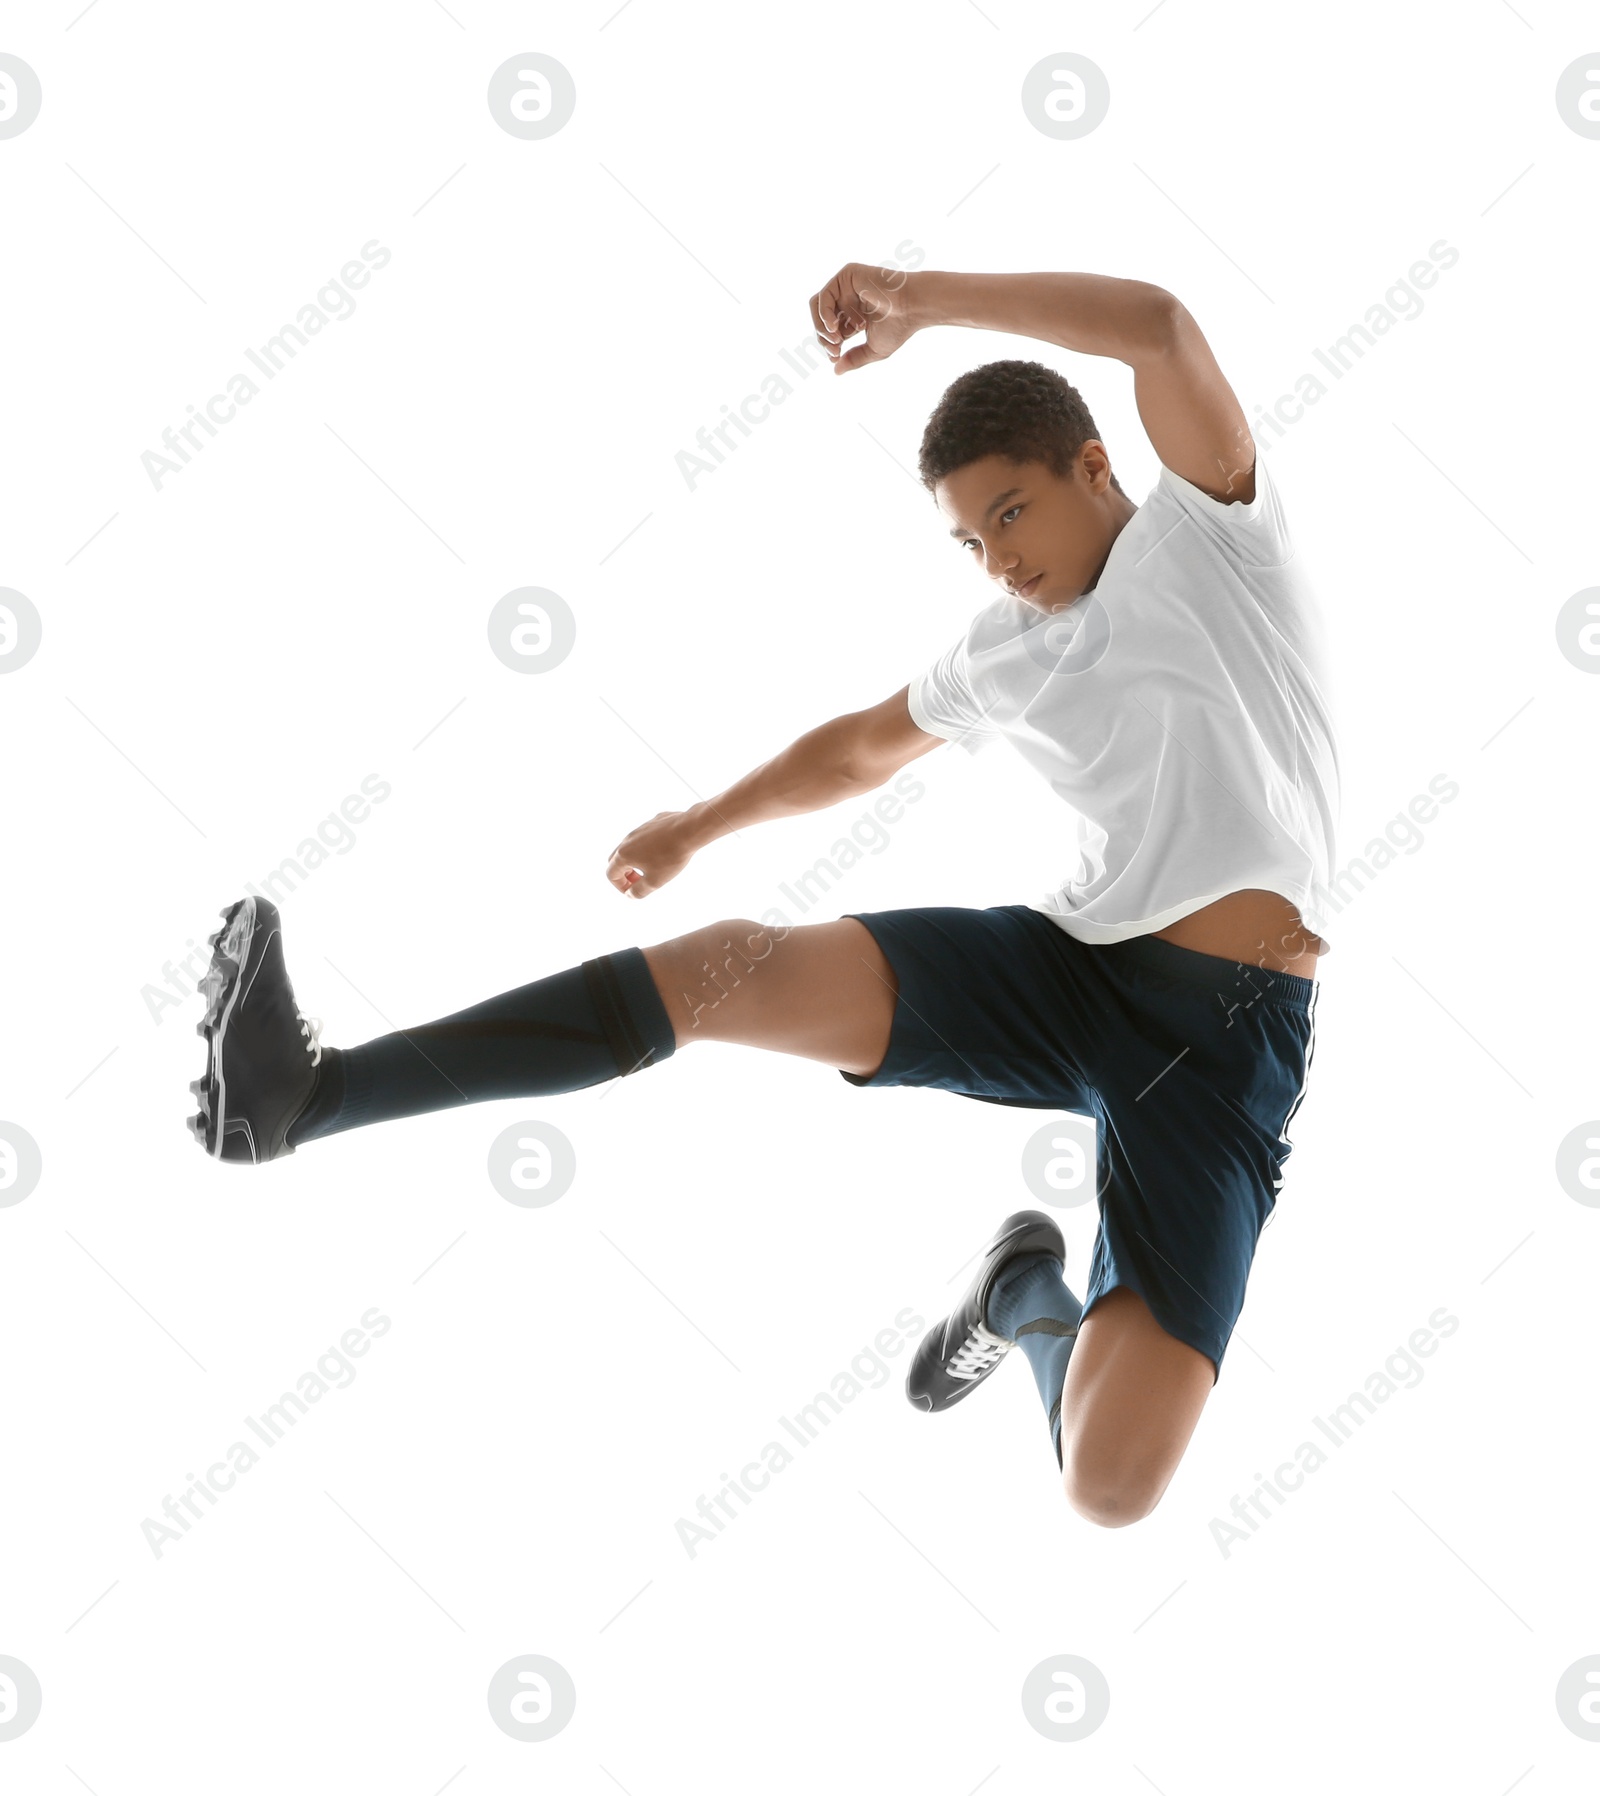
x=725, y=954
x=1110, y=1501
x=694, y=973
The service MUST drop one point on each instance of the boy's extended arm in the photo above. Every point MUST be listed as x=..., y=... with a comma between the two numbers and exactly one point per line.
x=847, y=755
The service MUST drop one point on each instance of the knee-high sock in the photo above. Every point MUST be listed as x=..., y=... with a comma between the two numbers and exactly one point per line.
x=589, y=1023
x=1032, y=1306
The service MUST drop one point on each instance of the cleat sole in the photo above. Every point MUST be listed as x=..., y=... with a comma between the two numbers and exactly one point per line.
x=219, y=984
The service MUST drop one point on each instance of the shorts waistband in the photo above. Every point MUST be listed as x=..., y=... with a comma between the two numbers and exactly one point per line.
x=1292, y=990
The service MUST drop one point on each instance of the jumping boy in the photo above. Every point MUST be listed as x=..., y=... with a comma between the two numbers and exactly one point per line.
x=1163, y=667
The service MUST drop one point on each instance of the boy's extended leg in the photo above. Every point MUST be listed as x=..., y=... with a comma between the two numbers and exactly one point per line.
x=825, y=991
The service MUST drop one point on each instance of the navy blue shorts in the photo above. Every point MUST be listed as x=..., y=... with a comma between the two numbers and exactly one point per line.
x=1192, y=1064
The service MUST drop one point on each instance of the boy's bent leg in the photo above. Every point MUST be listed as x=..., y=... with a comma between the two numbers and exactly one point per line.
x=822, y=991
x=1132, y=1397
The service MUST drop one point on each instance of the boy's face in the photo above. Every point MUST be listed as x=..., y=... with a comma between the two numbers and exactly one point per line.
x=1022, y=524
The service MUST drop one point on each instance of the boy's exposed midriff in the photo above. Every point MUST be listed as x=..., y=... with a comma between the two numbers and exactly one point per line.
x=1262, y=929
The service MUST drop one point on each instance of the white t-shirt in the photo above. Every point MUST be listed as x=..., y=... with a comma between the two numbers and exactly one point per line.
x=1181, y=707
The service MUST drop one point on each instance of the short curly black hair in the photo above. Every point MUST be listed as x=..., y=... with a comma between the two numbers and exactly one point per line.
x=1022, y=410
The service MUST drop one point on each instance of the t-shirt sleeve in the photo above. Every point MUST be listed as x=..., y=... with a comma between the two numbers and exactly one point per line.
x=1257, y=533
x=941, y=702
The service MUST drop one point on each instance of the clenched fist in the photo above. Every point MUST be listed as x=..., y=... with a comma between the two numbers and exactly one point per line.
x=650, y=855
x=861, y=297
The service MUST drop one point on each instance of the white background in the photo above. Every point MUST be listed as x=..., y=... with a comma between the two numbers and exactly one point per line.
x=228, y=657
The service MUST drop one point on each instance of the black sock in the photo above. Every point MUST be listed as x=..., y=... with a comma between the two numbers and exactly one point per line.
x=590, y=1023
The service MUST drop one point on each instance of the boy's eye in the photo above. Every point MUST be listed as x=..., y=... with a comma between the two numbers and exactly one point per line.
x=1003, y=516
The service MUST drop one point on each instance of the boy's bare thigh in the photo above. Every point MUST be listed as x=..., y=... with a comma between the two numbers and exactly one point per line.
x=823, y=991
x=1133, y=1396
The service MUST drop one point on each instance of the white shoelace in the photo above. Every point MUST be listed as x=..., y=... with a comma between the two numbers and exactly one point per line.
x=311, y=1028
x=980, y=1352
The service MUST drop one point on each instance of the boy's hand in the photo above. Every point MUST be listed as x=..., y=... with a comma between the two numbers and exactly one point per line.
x=650, y=855
x=860, y=297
